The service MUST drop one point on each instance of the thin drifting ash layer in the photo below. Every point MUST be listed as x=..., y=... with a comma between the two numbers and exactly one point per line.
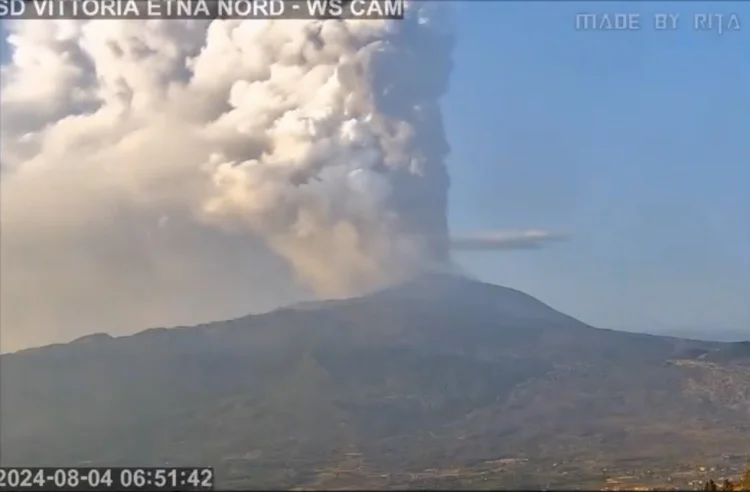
x=524, y=239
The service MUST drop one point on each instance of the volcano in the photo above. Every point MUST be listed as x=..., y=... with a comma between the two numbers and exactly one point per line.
x=442, y=381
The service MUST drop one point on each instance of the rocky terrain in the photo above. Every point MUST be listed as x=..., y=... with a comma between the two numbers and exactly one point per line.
x=440, y=382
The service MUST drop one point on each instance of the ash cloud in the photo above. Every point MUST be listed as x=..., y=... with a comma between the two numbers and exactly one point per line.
x=158, y=173
x=161, y=173
x=500, y=240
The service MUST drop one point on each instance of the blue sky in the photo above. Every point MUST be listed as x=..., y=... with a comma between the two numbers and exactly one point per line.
x=637, y=143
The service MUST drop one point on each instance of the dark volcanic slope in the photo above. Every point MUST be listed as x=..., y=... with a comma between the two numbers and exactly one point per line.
x=438, y=374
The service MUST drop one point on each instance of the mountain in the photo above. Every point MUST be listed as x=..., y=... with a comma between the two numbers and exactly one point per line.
x=708, y=333
x=439, y=382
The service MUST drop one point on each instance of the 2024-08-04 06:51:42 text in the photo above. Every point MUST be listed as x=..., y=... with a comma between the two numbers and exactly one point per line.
x=101, y=478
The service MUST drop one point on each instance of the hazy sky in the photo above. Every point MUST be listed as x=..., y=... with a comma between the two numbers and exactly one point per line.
x=637, y=143
x=633, y=143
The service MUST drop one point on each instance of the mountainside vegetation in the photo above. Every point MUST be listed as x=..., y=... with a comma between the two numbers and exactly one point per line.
x=442, y=382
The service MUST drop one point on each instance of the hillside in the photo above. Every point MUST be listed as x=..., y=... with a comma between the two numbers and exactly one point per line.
x=441, y=381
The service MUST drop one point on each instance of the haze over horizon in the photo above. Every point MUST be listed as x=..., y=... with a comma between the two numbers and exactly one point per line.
x=632, y=145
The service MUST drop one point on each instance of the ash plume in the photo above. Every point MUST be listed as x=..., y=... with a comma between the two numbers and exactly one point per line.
x=165, y=172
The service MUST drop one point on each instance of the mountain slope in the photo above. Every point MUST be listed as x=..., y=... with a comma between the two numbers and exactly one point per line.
x=441, y=373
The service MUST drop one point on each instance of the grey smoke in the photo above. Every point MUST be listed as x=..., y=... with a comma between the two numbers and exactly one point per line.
x=160, y=173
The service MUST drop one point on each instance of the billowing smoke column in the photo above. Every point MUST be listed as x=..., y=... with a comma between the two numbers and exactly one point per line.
x=346, y=179
x=152, y=167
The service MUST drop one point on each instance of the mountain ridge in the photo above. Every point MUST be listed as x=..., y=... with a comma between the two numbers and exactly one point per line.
x=430, y=287
x=440, y=373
